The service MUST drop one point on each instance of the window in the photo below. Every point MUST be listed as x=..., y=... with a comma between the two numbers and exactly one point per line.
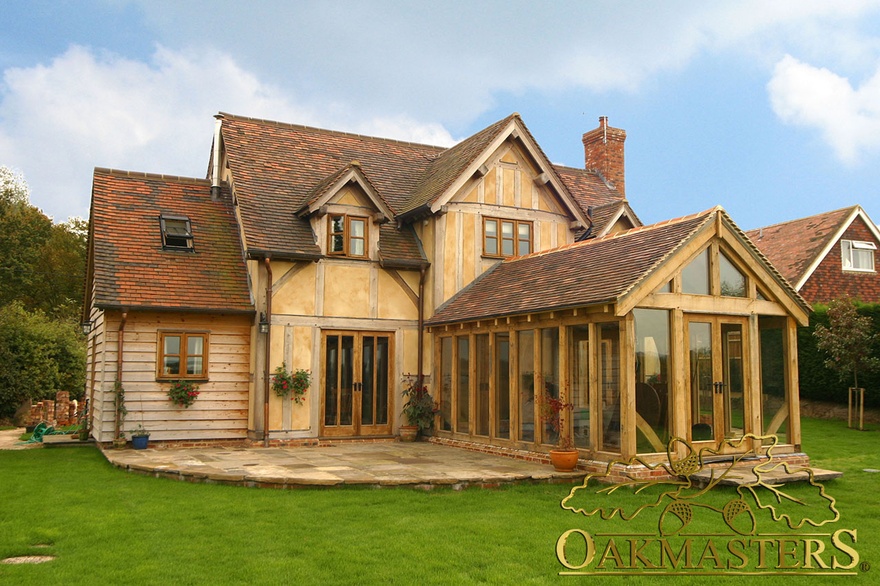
x=347, y=236
x=176, y=232
x=183, y=355
x=695, y=276
x=857, y=256
x=733, y=282
x=506, y=237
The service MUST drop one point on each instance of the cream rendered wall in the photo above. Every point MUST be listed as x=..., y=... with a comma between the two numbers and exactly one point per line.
x=454, y=240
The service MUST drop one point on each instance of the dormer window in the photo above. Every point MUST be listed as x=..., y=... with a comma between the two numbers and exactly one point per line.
x=857, y=255
x=347, y=236
x=176, y=232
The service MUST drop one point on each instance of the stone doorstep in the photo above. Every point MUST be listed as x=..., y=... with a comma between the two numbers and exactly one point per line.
x=744, y=475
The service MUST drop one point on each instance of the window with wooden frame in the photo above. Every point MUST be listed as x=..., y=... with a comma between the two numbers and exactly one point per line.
x=503, y=238
x=183, y=355
x=857, y=255
x=347, y=236
x=176, y=232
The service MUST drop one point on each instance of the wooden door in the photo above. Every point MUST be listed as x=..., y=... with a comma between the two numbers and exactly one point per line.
x=717, y=353
x=356, y=384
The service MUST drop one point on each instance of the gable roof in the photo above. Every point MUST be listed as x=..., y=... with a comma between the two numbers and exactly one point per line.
x=798, y=246
x=128, y=265
x=606, y=269
x=278, y=168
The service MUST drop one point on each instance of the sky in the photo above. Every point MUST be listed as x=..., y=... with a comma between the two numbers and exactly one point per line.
x=769, y=109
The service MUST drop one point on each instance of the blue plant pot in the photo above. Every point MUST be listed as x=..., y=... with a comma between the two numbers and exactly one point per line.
x=140, y=442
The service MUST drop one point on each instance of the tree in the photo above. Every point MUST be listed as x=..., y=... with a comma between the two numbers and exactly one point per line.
x=42, y=264
x=38, y=357
x=13, y=188
x=848, y=340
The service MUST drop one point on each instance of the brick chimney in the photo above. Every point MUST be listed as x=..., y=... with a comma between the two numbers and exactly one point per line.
x=603, y=152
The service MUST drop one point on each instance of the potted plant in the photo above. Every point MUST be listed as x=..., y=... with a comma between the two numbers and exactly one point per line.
x=418, y=407
x=294, y=383
x=183, y=393
x=140, y=438
x=565, y=456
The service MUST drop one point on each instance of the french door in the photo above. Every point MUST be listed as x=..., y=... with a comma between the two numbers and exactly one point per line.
x=718, y=385
x=356, y=383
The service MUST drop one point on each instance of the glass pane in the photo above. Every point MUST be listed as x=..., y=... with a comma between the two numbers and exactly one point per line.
x=367, y=374
x=171, y=365
x=695, y=276
x=195, y=345
x=357, y=228
x=774, y=407
x=492, y=228
x=331, y=374
x=194, y=365
x=609, y=382
x=484, y=368
x=464, y=388
x=526, y=350
x=733, y=389
x=863, y=259
x=579, y=375
x=525, y=247
x=446, y=384
x=357, y=247
x=550, y=374
x=524, y=231
x=733, y=282
x=337, y=224
x=172, y=344
x=701, y=381
x=346, y=381
x=502, y=385
x=337, y=244
x=383, y=344
x=507, y=230
x=652, y=377
x=491, y=247
x=507, y=247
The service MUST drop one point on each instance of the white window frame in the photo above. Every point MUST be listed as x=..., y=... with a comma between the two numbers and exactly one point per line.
x=848, y=259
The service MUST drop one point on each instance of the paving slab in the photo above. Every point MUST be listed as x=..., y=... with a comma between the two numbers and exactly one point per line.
x=351, y=464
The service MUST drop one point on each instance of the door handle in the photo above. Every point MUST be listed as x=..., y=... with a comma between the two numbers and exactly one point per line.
x=719, y=387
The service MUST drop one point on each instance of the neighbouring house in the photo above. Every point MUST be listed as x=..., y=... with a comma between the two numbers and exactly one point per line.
x=495, y=274
x=825, y=256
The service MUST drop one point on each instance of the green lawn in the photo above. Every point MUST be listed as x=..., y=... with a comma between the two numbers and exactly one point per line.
x=106, y=526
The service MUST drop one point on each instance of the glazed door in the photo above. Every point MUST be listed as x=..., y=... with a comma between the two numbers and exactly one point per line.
x=356, y=384
x=716, y=360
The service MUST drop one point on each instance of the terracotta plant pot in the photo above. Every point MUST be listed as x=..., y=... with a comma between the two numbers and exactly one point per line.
x=408, y=433
x=564, y=460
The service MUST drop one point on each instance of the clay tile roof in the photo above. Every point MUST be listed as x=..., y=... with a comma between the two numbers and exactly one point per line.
x=594, y=271
x=277, y=168
x=587, y=187
x=131, y=269
x=449, y=165
x=793, y=246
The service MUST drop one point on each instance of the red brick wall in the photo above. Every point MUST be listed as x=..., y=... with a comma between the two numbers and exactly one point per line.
x=829, y=280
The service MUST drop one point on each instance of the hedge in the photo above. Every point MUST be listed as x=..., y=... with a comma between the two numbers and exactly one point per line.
x=819, y=383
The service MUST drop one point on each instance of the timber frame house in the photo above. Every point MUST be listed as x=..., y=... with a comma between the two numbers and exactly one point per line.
x=498, y=276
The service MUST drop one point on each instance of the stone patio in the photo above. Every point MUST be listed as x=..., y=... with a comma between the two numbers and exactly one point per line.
x=418, y=464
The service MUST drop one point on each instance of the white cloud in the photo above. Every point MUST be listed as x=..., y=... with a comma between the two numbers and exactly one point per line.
x=85, y=109
x=847, y=117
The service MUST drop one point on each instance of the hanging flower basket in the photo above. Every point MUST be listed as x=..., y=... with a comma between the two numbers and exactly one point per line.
x=183, y=393
x=291, y=384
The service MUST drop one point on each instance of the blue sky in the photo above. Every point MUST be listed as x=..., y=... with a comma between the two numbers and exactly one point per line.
x=770, y=109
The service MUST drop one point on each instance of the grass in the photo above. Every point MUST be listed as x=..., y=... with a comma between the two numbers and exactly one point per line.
x=107, y=526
